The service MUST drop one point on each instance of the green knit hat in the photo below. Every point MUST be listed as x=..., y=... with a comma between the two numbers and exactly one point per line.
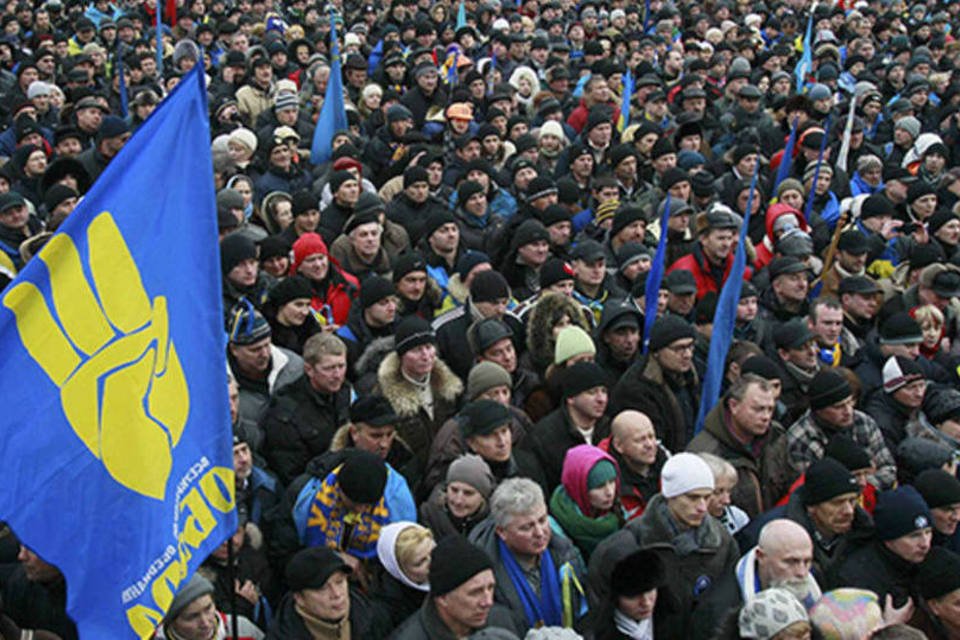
x=572, y=341
x=601, y=473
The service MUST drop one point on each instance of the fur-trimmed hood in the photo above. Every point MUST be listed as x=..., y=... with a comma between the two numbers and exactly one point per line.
x=341, y=439
x=403, y=395
x=541, y=320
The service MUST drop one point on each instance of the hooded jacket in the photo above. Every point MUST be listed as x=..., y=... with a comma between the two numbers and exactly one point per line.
x=767, y=248
x=570, y=504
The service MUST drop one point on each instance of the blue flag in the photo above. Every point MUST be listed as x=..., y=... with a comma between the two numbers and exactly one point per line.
x=724, y=318
x=124, y=102
x=654, y=277
x=806, y=56
x=786, y=160
x=808, y=206
x=117, y=447
x=623, y=121
x=333, y=115
x=461, y=15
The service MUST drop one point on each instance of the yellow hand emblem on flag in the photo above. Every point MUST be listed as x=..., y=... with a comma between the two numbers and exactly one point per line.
x=122, y=387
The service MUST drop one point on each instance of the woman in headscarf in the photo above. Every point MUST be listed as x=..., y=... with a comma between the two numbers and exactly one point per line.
x=586, y=503
x=404, y=551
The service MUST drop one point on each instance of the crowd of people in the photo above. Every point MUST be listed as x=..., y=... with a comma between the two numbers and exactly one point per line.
x=455, y=414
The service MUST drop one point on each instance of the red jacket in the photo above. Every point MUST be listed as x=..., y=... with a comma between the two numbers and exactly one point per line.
x=334, y=305
x=766, y=248
x=695, y=263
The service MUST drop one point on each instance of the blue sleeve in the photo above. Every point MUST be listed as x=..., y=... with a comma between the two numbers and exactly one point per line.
x=399, y=499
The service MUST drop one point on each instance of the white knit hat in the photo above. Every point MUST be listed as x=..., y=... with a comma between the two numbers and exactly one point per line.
x=685, y=472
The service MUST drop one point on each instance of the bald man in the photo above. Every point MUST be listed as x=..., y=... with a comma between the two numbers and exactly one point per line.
x=633, y=443
x=782, y=558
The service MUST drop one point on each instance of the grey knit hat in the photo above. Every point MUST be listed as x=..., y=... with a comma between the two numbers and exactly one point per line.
x=473, y=470
x=769, y=613
x=197, y=586
x=485, y=376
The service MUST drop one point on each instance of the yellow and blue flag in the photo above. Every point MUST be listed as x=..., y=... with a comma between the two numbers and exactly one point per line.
x=655, y=277
x=115, y=439
x=805, y=63
x=333, y=113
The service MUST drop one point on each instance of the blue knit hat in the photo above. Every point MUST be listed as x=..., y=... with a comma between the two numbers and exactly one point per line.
x=900, y=512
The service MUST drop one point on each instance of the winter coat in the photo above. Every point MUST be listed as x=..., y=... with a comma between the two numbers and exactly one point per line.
x=416, y=426
x=410, y=215
x=260, y=494
x=807, y=440
x=891, y=416
x=766, y=250
x=824, y=556
x=644, y=387
x=343, y=252
x=333, y=297
x=426, y=624
x=399, y=457
x=251, y=564
x=285, y=368
x=252, y=101
x=299, y=425
x=877, y=568
x=452, y=328
x=366, y=621
x=562, y=550
x=357, y=335
x=570, y=503
x=690, y=572
x=636, y=490
x=35, y=605
x=553, y=436
x=763, y=475
x=707, y=277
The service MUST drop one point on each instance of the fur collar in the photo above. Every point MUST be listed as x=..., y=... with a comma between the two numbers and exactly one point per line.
x=403, y=395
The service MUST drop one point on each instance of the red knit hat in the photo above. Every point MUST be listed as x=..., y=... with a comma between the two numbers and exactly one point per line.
x=307, y=245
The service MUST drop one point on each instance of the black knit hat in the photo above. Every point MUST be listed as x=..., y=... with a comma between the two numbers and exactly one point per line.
x=360, y=218
x=303, y=201
x=625, y=216
x=942, y=404
x=274, y=247
x=528, y=232
x=292, y=288
x=540, y=187
x=374, y=289
x=482, y=417
x=363, y=477
x=876, y=205
x=337, y=178
x=247, y=325
x=555, y=270
x=762, y=366
x=827, y=388
x=844, y=450
x=901, y=328
x=581, y=377
x=234, y=249
x=939, y=573
x=672, y=176
x=413, y=175
x=413, y=331
x=639, y=572
x=454, y=561
x=938, y=488
x=485, y=333
x=825, y=480
x=553, y=214
x=408, y=263
x=373, y=410
x=467, y=190
x=489, y=286
x=667, y=330
x=437, y=220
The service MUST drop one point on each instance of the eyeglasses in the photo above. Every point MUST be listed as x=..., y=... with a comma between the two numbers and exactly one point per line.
x=681, y=348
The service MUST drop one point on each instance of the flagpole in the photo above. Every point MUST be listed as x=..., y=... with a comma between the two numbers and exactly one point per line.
x=159, y=42
x=847, y=132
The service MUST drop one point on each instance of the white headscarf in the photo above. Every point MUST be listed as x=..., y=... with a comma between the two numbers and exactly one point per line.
x=387, y=552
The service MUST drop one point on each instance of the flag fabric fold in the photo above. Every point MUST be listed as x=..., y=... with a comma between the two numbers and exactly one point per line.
x=624, y=120
x=655, y=277
x=333, y=113
x=117, y=452
x=725, y=318
x=786, y=160
x=805, y=63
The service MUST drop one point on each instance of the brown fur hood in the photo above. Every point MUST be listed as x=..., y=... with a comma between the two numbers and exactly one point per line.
x=541, y=319
x=402, y=394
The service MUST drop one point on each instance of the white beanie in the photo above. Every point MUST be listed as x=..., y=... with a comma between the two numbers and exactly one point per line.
x=245, y=137
x=685, y=472
x=552, y=128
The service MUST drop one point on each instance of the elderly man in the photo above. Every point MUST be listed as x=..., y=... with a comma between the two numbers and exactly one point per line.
x=193, y=615
x=694, y=546
x=782, y=559
x=663, y=384
x=741, y=431
x=531, y=564
x=461, y=600
x=303, y=416
x=633, y=444
x=888, y=565
x=321, y=602
x=832, y=410
x=827, y=507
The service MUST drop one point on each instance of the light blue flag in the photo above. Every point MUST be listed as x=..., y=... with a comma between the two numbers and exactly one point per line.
x=116, y=442
x=624, y=120
x=461, y=15
x=654, y=277
x=333, y=114
x=725, y=317
x=806, y=57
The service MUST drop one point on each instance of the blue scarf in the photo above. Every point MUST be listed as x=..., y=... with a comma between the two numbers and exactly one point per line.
x=547, y=610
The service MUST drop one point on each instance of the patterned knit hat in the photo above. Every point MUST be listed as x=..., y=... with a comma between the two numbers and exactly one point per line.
x=769, y=613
